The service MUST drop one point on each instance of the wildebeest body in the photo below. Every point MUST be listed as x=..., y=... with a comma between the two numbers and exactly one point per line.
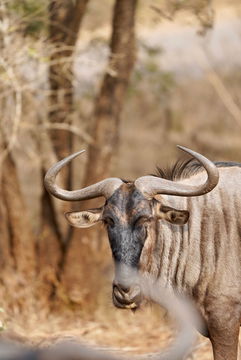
x=190, y=241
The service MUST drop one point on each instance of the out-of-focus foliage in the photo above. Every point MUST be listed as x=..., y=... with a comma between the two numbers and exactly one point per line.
x=149, y=74
x=31, y=14
x=202, y=9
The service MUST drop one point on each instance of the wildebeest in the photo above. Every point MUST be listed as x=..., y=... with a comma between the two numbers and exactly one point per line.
x=184, y=228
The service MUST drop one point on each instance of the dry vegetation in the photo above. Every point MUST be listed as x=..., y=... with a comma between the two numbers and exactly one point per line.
x=203, y=113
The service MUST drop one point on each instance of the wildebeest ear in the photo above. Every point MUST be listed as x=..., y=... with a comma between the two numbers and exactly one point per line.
x=174, y=216
x=84, y=219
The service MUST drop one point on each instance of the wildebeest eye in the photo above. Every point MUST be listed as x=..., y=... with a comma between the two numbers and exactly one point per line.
x=140, y=227
x=109, y=221
x=142, y=220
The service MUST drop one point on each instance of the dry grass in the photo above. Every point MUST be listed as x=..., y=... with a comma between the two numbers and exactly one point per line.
x=145, y=331
x=124, y=333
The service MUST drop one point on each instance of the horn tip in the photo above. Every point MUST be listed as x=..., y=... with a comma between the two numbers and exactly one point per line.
x=80, y=152
x=73, y=156
x=186, y=150
x=182, y=147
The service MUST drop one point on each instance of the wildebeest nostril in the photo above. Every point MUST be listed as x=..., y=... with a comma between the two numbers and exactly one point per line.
x=124, y=297
x=121, y=289
x=120, y=293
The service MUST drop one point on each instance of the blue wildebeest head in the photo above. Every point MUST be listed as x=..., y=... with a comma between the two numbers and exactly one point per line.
x=131, y=214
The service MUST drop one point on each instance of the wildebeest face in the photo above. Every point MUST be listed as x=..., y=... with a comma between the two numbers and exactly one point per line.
x=127, y=215
x=129, y=218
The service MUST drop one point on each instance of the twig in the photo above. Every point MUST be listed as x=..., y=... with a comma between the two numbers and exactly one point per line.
x=161, y=13
x=62, y=126
x=216, y=81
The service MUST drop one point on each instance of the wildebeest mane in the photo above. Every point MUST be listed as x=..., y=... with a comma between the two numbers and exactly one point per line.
x=184, y=168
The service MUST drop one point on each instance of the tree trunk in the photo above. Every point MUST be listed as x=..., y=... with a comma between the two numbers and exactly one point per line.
x=17, y=242
x=65, y=20
x=84, y=255
x=109, y=103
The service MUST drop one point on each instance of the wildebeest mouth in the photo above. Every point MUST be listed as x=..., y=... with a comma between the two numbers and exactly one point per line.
x=124, y=298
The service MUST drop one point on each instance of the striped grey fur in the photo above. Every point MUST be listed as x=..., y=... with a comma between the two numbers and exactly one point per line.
x=190, y=257
x=203, y=257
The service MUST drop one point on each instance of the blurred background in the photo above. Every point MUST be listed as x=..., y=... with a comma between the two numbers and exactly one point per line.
x=127, y=81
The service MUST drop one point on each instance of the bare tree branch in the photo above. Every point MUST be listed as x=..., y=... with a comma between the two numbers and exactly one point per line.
x=219, y=86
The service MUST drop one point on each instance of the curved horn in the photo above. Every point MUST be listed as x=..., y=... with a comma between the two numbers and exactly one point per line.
x=151, y=185
x=103, y=188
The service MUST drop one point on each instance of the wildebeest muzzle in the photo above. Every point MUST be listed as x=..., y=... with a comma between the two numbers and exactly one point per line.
x=126, y=298
x=126, y=292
